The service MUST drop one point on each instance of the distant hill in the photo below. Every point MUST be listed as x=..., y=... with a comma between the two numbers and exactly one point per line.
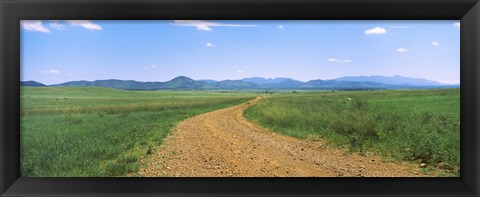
x=344, y=83
x=31, y=83
x=207, y=80
x=114, y=83
x=395, y=80
x=182, y=82
x=234, y=84
x=289, y=84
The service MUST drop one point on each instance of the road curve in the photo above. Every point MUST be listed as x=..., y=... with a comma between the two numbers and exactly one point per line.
x=223, y=143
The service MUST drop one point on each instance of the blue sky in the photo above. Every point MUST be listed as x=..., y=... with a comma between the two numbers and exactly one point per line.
x=59, y=51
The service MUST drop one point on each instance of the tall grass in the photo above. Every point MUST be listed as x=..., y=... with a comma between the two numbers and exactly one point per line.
x=408, y=125
x=102, y=132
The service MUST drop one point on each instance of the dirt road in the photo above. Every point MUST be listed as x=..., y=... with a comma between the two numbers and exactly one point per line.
x=223, y=143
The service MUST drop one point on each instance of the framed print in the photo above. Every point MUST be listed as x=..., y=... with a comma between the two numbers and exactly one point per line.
x=239, y=98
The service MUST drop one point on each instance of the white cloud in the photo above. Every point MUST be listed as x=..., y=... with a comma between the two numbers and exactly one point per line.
x=240, y=71
x=339, y=61
x=435, y=44
x=205, y=26
x=210, y=44
x=402, y=50
x=51, y=71
x=153, y=66
x=85, y=24
x=280, y=27
x=54, y=24
x=35, y=25
x=457, y=24
x=376, y=31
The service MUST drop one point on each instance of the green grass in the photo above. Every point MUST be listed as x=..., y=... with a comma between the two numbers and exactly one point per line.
x=405, y=125
x=91, y=132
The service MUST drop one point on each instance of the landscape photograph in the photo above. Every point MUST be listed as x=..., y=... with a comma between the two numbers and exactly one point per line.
x=240, y=98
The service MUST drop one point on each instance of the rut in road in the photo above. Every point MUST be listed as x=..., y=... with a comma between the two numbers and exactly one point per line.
x=223, y=143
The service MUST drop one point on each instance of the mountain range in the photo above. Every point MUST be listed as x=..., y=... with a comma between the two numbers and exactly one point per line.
x=185, y=83
x=31, y=83
x=395, y=80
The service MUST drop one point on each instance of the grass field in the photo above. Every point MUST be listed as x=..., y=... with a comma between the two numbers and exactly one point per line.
x=421, y=126
x=100, y=132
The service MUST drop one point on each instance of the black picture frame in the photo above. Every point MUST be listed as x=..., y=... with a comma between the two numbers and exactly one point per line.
x=12, y=11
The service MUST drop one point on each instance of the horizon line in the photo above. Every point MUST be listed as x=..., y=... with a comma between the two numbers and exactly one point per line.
x=246, y=78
